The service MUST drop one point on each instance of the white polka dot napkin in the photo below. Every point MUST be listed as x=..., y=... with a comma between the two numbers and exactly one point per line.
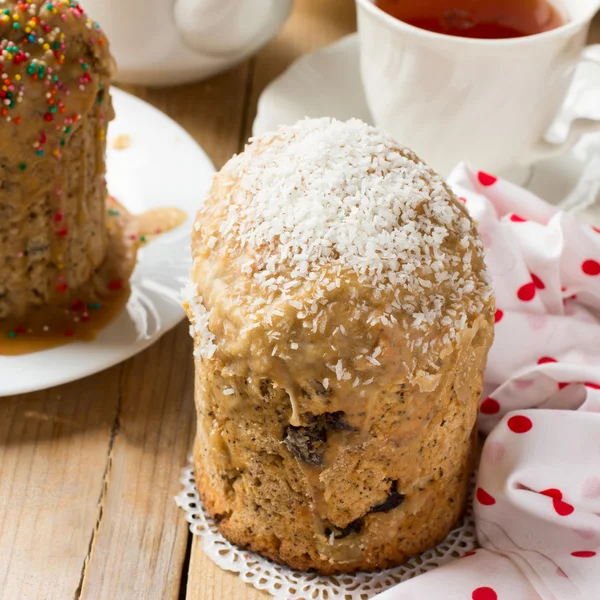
x=537, y=502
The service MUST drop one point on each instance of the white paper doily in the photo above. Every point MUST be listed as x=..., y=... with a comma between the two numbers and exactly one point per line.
x=287, y=584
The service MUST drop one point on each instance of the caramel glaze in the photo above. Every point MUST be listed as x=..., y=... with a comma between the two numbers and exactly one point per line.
x=89, y=308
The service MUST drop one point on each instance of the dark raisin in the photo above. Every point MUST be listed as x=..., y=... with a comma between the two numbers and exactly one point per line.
x=393, y=500
x=265, y=387
x=306, y=443
x=336, y=422
x=338, y=534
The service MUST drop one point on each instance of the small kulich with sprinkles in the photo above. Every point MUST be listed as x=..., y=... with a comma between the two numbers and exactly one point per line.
x=55, y=227
x=342, y=315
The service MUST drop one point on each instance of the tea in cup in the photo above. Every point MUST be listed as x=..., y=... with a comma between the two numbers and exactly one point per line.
x=455, y=82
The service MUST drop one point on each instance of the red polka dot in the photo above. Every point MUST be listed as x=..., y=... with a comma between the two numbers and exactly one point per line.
x=596, y=229
x=484, y=498
x=552, y=493
x=563, y=384
x=462, y=199
x=469, y=554
x=498, y=316
x=546, y=359
x=526, y=292
x=583, y=554
x=539, y=284
x=591, y=267
x=517, y=219
x=519, y=424
x=490, y=406
x=561, y=508
x=484, y=593
x=486, y=179
x=594, y=386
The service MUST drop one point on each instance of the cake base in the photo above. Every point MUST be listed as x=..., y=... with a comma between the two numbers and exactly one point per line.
x=261, y=499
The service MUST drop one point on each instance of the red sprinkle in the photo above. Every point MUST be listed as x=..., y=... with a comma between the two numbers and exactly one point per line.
x=115, y=285
x=77, y=305
x=69, y=333
x=61, y=287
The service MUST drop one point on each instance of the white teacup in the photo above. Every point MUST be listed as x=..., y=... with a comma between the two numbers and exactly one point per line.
x=165, y=42
x=487, y=101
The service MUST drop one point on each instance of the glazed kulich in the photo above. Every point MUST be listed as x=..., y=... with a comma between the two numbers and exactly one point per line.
x=342, y=315
x=54, y=74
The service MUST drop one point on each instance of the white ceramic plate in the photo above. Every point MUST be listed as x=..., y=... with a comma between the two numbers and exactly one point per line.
x=327, y=83
x=163, y=166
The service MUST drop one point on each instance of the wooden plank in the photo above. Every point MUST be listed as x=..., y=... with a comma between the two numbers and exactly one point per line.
x=594, y=37
x=53, y=458
x=313, y=23
x=139, y=547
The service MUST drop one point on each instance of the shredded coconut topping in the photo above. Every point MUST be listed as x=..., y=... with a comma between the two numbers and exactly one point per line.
x=321, y=199
x=329, y=242
x=205, y=346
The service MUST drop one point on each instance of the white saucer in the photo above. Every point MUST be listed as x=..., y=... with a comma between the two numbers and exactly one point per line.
x=163, y=166
x=327, y=83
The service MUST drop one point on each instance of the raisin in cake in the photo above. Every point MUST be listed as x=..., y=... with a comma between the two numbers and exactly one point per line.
x=55, y=68
x=342, y=316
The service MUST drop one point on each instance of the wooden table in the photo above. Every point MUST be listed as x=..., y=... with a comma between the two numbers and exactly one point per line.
x=88, y=471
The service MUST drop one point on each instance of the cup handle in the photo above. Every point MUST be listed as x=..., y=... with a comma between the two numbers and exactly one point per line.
x=578, y=127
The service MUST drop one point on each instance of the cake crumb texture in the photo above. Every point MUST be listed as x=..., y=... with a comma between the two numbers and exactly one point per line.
x=55, y=69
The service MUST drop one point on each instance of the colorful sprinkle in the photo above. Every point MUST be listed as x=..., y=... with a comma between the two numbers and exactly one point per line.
x=33, y=49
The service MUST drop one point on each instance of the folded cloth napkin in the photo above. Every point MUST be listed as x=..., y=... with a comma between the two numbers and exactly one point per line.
x=537, y=500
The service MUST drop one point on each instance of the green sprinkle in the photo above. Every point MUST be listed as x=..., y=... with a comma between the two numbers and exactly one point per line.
x=6, y=11
x=143, y=238
x=40, y=153
x=22, y=166
x=68, y=130
x=94, y=306
x=53, y=109
x=62, y=142
x=85, y=65
x=112, y=211
x=12, y=334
